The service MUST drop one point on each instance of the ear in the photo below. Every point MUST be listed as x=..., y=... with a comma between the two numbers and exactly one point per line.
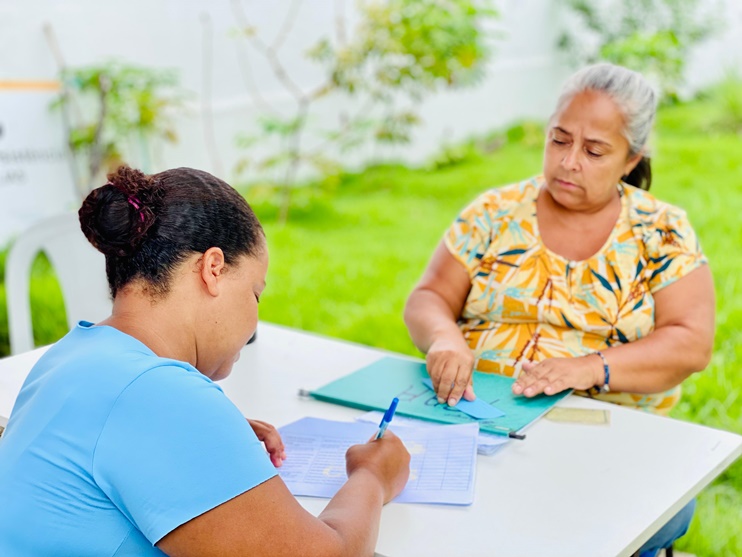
x=632, y=162
x=212, y=269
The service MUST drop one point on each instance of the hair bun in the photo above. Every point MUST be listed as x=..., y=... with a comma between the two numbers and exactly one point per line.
x=115, y=217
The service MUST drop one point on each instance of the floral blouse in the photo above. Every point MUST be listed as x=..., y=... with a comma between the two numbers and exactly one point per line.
x=527, y=303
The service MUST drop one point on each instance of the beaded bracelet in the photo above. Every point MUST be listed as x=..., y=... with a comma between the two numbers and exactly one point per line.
x=607, y=374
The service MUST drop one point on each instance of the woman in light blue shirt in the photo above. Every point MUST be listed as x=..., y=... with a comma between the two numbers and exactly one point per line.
x=120, y=442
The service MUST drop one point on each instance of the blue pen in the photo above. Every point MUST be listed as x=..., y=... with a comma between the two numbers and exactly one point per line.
x=388, y=415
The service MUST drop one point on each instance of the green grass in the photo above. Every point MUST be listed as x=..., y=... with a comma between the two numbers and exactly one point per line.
x=345, y=264
x=700, y=169
x=47, y=305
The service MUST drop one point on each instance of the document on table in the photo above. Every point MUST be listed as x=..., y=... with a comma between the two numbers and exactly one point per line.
x=487, y=443
x=442, y=465
x=373, y=386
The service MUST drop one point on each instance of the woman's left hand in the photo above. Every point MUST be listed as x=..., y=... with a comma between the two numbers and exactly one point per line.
x=271, y=439
x=558, y=374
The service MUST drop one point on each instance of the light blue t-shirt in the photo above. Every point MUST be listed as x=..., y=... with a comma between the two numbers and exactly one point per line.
x=110, y=447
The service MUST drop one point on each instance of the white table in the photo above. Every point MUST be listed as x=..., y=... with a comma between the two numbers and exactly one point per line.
x=568, y=490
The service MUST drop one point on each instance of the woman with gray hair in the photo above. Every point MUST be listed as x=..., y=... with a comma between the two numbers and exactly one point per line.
x=577, y=278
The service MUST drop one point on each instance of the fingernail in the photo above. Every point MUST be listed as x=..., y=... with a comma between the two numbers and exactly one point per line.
x=528, y=392
x=452, y=401
x=441, y=400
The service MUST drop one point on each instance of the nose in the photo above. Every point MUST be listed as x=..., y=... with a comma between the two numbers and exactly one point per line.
x=570, y=160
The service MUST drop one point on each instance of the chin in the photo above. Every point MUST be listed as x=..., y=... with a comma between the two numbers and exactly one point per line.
x=567, y=197
x=221, y=373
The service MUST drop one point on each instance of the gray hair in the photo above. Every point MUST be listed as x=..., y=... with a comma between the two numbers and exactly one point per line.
x=632, y=93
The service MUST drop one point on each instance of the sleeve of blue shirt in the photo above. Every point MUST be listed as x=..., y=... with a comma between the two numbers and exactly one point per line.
x=173, y=447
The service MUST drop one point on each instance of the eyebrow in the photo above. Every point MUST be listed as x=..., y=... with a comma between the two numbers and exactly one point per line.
x=587, y=140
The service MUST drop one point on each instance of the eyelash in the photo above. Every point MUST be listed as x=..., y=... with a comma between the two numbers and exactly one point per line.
x=594, y=155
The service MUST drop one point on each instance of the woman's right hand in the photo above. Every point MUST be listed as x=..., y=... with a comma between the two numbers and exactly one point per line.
x=450, y=365
x=387, y=459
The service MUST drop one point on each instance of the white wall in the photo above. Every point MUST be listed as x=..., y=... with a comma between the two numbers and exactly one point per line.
x=713, y=59
x=522, y=79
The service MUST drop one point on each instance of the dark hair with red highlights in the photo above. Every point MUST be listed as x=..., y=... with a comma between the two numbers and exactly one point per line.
x=147, y=225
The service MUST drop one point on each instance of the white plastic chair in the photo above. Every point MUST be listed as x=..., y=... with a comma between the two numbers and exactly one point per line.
x=80, y=269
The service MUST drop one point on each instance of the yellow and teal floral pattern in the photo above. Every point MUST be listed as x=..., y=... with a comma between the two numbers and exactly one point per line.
x=527, y=303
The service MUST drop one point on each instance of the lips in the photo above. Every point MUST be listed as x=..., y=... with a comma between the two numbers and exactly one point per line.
x=566, y=184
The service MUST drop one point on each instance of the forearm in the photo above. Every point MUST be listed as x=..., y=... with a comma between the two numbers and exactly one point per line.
x=659, y=361
x=354, y=514
x=429, y=318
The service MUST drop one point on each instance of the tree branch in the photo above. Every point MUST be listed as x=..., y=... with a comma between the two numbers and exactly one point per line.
x=206, y=103
x=270, y=54
x=288, y=24
x=243, y=60
x=340, y=23
x=67, y=105
x=96, y=150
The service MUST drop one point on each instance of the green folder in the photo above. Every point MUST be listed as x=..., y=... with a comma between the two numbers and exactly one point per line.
x=374, y=386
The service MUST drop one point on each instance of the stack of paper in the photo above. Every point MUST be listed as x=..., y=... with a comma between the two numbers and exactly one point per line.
x=442, y=466
x=487, y=443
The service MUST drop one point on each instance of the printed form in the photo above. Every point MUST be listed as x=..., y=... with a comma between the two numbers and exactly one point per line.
x=442, y=465
x=487, y=443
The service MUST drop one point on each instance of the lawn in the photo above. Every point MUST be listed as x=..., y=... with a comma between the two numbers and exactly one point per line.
x=345, y=263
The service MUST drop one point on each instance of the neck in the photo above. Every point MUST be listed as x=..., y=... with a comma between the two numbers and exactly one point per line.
x=160, y=325
x=578, y=216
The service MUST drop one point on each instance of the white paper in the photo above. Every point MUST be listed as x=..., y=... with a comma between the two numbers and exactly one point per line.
x=442, y=465
x=487, y=443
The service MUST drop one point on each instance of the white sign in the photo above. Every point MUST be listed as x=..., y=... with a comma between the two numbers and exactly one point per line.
x=35, y=171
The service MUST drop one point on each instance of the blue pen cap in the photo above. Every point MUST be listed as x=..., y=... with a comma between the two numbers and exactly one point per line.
x=392, y=408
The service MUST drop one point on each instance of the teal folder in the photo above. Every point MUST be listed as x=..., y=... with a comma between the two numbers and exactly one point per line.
x=374, y=386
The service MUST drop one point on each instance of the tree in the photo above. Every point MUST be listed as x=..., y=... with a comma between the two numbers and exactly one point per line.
x=400, y=50
x=114, y=109
x=650, y=36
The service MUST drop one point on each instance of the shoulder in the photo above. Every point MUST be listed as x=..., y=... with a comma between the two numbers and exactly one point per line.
x=501, y=201
x=652, y=213
x=168, y=386
x=101, y=371
x=89, y=369
x=170, y=407
x=108, y=362
x=666, y=236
